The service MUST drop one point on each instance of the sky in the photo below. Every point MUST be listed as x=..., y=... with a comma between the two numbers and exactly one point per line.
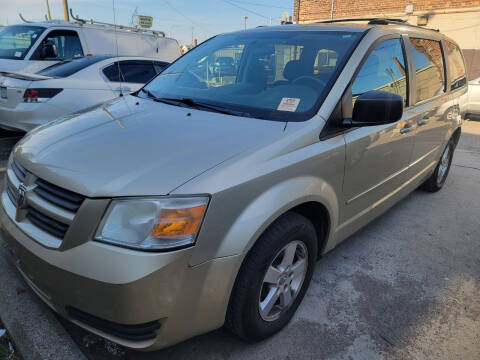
x=177, y=18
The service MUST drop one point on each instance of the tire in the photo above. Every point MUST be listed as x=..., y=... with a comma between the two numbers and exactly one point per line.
x=244, y=316
x=436, y=181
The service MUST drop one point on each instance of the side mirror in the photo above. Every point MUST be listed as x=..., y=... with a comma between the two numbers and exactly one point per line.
x=376, y=108
x=49, y=50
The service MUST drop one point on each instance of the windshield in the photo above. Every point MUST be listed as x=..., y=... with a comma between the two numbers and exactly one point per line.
x=70, y=67
x=15, y=41
x=275, y=75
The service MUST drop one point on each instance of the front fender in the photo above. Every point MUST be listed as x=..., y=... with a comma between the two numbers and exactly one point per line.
x=234, y=222
x=279, y=199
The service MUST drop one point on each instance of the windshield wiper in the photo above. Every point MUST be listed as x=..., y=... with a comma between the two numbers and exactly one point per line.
x=201, y=105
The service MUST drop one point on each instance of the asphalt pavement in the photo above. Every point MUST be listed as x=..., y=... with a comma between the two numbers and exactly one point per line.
x=407, y=286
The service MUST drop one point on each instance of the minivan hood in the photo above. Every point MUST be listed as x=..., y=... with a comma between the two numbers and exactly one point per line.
x=137, y=147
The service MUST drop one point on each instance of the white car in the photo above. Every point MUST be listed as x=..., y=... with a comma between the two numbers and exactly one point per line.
x=473, y=99
x=29, y=100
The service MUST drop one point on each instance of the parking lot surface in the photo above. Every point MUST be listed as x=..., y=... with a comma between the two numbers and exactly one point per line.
x=407, y=286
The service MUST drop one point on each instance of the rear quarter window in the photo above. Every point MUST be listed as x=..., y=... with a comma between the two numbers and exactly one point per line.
x=160, y=66
x=112, y=73
x=429, y=68
x=456, y=66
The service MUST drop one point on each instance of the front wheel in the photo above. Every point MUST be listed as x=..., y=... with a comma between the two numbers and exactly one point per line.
x=439, y=176
x=273, y=278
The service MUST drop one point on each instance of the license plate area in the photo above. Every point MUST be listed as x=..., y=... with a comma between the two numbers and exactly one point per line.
x=3, y=93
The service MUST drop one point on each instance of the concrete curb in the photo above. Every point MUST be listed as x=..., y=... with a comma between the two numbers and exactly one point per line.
x=35, y=330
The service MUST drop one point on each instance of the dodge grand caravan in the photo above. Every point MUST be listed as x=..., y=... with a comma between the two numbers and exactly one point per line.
x=206, y=198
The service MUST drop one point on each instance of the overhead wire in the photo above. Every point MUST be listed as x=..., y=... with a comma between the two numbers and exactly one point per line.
x=260, y=5
x=201, y=26
x=245, y=9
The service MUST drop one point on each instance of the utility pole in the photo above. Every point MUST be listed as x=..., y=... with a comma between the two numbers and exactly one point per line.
x=298, y=12
x=245, y=18
x=65, y=10
x=48, y=11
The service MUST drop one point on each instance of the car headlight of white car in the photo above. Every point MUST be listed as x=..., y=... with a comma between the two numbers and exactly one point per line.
x=153, y=223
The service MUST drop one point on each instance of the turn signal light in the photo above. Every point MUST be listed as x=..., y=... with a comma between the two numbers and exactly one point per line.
x=179, y=222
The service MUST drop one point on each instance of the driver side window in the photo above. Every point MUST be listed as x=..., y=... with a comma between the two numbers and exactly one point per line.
x=66, y=44
x=384, y=70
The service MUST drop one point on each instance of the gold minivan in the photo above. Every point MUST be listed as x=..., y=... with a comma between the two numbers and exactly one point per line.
x=206, y=197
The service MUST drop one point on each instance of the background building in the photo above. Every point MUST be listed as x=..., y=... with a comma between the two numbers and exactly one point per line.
x=458, y=19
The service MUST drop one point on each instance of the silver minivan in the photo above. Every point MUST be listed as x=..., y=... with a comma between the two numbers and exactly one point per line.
x=206, y=198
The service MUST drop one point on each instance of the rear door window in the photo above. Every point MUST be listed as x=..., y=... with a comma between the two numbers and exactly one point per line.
x=456, y=66
x=67, y=44
x=139, y=72
x=384, y=70
x=429, y=68
x=133, y=71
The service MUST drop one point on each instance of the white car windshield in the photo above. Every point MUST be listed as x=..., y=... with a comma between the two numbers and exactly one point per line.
x=267, y=74
x=16, y=41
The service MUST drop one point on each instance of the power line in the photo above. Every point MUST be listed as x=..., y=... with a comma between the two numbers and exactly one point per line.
x=188, y=18
x=245, y=9
x=260, y=5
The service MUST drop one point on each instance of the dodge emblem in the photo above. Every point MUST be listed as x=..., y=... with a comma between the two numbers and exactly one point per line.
x=21, y=196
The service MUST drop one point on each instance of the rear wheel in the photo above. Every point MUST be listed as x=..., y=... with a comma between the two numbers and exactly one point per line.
x=273, y=278
x=436, y=181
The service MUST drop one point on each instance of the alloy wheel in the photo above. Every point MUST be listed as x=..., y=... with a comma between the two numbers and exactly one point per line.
x=444, y=164
x=283, y=280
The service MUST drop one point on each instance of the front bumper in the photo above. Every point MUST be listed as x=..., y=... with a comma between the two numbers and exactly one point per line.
x=123, y=290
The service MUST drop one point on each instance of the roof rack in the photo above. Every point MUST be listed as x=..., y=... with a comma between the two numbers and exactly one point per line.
x=378, y=21
x=122, y=27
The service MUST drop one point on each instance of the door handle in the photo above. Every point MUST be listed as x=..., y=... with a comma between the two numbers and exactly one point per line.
x=123, y=89
x=422, y=122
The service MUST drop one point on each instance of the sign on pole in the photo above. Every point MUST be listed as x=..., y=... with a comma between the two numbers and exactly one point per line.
x=145, y=22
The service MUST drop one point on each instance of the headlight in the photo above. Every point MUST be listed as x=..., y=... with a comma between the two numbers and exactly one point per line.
x=153, y=223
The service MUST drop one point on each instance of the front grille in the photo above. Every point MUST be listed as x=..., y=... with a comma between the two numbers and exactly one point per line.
x=19, y=171
x=129, y=332
x=46, y=223
x=58, y=196
x=12, y=195
x=36, y=211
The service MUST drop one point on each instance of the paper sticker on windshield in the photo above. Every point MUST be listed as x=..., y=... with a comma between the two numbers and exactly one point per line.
x=289, y=104
x=18, y=54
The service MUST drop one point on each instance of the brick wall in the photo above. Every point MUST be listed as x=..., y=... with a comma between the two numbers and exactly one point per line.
x=320, y=9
